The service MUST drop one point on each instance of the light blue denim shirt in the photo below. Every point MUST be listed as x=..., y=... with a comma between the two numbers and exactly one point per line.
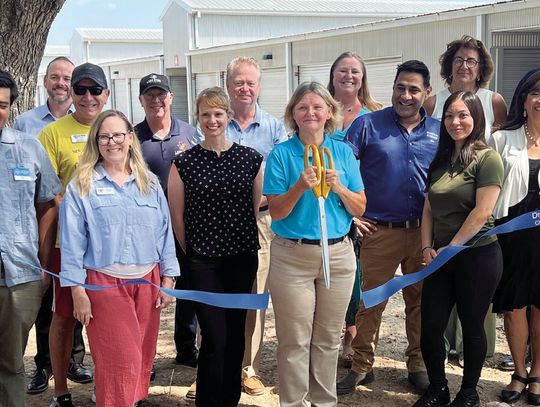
x=27, y=176
x=114, y=224
x=33, y=121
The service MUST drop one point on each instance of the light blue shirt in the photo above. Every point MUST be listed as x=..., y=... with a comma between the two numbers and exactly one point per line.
x=114, y=224
x=33, y=121
x=27, y=176
x=284, y=166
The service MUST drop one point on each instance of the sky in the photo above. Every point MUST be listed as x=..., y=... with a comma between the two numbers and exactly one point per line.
x=104, y=13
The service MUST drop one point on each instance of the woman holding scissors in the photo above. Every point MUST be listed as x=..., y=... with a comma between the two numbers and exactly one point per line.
x=309, y=313
x=464, y=181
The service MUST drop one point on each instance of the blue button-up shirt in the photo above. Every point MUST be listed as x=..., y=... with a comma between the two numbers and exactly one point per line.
x=393, y=163
x=114, y=224
x=33, y=121
x=27, y=176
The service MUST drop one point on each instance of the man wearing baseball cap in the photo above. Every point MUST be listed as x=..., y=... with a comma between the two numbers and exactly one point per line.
x=162, y=137
x=64, y=141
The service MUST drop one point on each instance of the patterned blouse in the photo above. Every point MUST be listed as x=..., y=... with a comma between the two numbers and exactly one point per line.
x=218, y=214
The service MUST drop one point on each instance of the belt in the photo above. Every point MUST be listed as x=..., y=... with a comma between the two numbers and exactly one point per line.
x=408, y=224
x=318, y=241
x=263, y=208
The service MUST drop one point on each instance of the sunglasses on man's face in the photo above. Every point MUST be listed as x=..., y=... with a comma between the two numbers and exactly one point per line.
x=81, y=90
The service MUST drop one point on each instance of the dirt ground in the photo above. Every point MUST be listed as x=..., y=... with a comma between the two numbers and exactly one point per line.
x=389, y=389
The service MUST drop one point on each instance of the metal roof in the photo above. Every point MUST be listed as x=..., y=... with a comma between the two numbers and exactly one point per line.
x=312, y=7
x=121, y=34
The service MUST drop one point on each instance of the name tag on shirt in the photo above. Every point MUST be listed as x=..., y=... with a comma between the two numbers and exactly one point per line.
x=21, y=174
x=105, y=191
x=79, y=138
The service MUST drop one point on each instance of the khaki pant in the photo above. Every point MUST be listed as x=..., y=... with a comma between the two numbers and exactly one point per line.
x=380, y=256
x=255, y=319
x=19, y=306
x=309, y=318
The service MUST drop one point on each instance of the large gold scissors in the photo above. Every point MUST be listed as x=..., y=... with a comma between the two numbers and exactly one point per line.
x=321, y=191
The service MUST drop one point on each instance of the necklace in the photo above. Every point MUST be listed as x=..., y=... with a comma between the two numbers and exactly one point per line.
x=530, y=136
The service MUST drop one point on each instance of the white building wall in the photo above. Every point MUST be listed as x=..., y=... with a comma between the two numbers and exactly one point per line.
x=176, y=38
x=108, y=51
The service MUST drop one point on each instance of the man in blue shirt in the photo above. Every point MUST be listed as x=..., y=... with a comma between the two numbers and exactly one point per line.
x=57, y=82
x=253, y=127
x=28, y=189
x=162, y=138
x=395, y=147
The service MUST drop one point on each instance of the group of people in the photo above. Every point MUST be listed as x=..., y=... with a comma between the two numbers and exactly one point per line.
x=232, y=207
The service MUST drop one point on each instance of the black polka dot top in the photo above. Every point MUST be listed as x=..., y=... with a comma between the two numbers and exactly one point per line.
x=218, y=213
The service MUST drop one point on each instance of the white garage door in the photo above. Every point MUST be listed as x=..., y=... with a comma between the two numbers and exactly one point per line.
x=137, y=112
x=179, y=107
x=516, y=63
x=381, y=73
x=314, y=73
x=205, y=80
x=273, y=95
x=121, y=96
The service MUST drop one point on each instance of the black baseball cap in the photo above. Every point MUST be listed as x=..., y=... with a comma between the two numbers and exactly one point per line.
x=89, y=71
x=154, y=80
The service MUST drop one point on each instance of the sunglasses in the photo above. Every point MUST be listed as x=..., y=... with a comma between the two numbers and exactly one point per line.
x=81, y=90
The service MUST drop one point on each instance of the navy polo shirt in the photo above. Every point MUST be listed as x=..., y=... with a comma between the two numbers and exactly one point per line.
x=158, y=153
x=393, y=163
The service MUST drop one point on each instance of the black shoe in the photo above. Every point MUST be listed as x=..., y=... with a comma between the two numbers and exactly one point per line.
x=188, y=357
x=507, y=364
x=348, y=383
x=533, y=398
x=511, y=396
x=466, y=398
x=40, y=381
x=79, y=373
x=419, y=380
x=434, y=398
x=62, y=401
x=153, y=374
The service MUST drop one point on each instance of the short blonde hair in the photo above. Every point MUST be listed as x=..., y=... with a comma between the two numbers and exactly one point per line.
x=214, y=97
x=91, y=157
x=237, y=62
x=313, y=87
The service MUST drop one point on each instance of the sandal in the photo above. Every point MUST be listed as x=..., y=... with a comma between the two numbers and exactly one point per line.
x=533, y=398
x=511, y=396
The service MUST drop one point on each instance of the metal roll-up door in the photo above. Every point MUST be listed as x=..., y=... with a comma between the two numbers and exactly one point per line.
x=179, y=108
x=205, y=80
x=516, y=63
x=314, y=73
x=121, y=97
x=381, y=74
x=137, y=111
x=273, y=94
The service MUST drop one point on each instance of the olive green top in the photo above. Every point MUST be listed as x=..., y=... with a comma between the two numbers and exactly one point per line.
x=452, y=195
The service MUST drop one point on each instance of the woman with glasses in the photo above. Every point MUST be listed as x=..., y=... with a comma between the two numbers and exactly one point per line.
x=115, y=227
x=466, y=65
x=518, y=142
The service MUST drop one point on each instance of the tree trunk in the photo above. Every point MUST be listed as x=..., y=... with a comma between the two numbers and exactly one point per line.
x=24, y=26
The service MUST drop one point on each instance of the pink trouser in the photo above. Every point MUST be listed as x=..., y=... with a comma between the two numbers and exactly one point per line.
x=123, y=336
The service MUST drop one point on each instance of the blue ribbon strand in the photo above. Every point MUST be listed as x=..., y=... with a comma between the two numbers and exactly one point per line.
x=240, y=301
x=381, y=293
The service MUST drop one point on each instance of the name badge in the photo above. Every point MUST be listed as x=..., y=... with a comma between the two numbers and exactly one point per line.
x=105, y=191
x=79, y=138
x=21, y=174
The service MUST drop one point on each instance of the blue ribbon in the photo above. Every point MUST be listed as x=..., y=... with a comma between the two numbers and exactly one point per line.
x=381, y=293
x=240, y=301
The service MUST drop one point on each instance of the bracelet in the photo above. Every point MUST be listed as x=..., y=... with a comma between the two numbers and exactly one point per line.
x=427, y=247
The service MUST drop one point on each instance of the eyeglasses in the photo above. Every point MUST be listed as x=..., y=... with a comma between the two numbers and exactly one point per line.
x=469, y=62
x=118, y=138
x=151, y=95
x=81, y=90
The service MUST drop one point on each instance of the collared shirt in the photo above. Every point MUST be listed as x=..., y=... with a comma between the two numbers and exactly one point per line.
x=393, y=163
x=159, y=153
x=27, y=176
x=114, y=224
x=285, y=164
x=34, y=120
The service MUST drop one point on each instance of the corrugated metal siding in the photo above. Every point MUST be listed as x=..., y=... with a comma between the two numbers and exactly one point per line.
x=175, y=36
x=516, y=62
x=528, y=17
x=273, y=95
x=516, y=39
x=179, y=108
x=111, y=34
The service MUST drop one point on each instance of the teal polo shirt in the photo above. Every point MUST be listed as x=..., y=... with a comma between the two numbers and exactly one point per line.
x=283, y=168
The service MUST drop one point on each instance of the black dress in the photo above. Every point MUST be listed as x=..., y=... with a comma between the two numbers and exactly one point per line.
x=520, y=282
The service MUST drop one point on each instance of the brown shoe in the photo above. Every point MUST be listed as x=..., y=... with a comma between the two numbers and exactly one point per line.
x=253, y=386
x=192, y=392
